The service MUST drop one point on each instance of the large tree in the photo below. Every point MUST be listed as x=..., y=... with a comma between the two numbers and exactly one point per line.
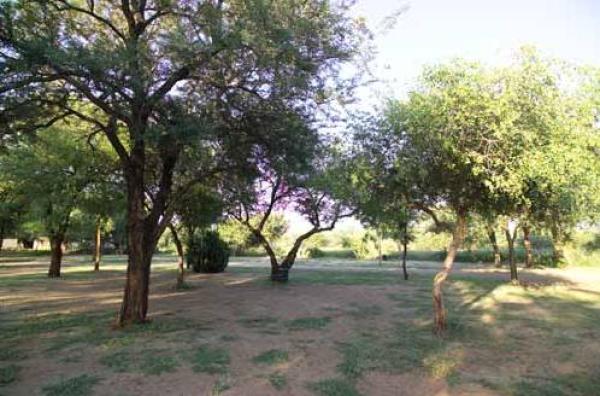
x=164, y=76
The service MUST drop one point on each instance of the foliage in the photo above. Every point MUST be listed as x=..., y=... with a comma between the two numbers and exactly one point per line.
x=208, y=253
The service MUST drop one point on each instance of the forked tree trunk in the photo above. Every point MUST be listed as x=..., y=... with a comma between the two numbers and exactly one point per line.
x=458, y=237
x=56, y=242
x=527, y=246
x=180, y=257
x=511, y=255
x=98, y=246
x=494, y=242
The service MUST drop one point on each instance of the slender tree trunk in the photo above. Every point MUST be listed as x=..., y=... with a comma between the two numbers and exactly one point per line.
x=180, y=258
x=404, y=254
x=511, y=256
x=56, y=242
x=458, y=237
x=527, y=246
x=558, y=254
x=98, y=245
x=494, y=241
x=379, y=245
x=1, y=237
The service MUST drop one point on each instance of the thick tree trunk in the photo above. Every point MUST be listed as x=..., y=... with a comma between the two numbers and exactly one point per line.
x=56, y=248
x=527, y=246
x=98, y=245
x=494, y=242
x=140, y=249
x=511, y=256
x=180, y=258
x=458, y=237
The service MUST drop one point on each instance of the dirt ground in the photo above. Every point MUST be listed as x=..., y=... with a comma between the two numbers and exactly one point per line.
x=361, y=331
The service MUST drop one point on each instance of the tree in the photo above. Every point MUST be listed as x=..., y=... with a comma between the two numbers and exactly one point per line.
x=162, y=76
x=52, y=174
x=457, y=150
x=312, y=194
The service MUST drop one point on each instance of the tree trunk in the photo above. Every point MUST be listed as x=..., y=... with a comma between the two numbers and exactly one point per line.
x=180, y=258
x=558, y=254
x=511, y=256
x=98, y=245
x=493, y=240
x=458, y=237
x=140, y=249
x=379, y=246
x=1, y=237
x=527, y=246
x=404, y=253
x=56, y=242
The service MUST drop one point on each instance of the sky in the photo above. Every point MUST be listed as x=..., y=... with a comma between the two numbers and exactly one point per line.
x=434, y=31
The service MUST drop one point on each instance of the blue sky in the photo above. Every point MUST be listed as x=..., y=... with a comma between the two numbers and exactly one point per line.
x=432, y=31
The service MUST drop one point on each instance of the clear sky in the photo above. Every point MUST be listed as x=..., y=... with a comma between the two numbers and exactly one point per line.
x=432, y=31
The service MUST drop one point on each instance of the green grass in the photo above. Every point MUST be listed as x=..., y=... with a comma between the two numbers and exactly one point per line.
x=148, y=362
x=334, y=387
x=9, y=374
x=11, y=354
x=278, y=380
x=119, y=362
x=81, y=385
x=271, y=357
x=364, y=311
x=212, y=360
x=308, y=323
x=155, y=363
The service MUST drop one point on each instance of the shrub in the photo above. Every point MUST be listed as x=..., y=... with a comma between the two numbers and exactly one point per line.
x=208, y=253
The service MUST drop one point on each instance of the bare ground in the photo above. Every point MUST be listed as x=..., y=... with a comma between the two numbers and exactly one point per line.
x=503, y=339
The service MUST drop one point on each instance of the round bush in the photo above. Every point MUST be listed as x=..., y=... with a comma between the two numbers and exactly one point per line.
x=207, y=253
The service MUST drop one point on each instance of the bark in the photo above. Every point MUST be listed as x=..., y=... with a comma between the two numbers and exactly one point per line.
x=527, y=245
x=1, y=237
x=558, y=254
x=56, y=246
x=511, y=256
x=135, y=297
x=98, y=245
x=180, y=257
x=494, y=242
x=404, y=253
x=458, y=237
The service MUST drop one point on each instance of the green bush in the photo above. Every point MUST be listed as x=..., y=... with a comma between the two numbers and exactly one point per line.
x=208, y=253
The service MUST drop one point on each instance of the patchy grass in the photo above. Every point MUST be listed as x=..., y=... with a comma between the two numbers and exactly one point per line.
x=334, y=387
x=206, y=359
x=11, y=354
x=271, y=357
x=308, y=323
x=77, y=386
x=222, y=384
x=9, y=374
x=156, y=363
x=364, y=311
x=278, y=380
x=119, y=362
